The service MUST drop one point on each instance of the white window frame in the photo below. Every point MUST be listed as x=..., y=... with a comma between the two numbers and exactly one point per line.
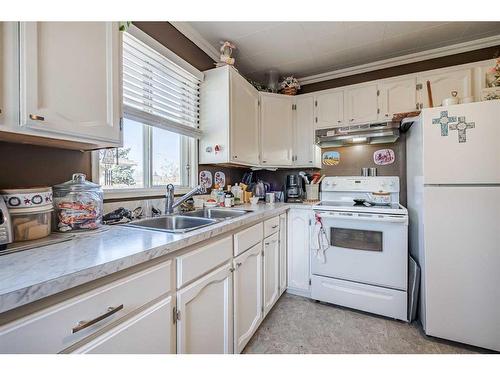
x=190, y=143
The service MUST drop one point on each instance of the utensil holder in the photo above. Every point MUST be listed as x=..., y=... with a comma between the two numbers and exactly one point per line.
x=312, y=192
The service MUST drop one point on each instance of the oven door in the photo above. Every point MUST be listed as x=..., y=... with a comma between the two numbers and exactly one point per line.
x=365, y=248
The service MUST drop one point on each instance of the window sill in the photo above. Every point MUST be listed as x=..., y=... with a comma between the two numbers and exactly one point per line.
x=138, y=194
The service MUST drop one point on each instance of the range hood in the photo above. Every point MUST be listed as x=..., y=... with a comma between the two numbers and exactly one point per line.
x=383, y=132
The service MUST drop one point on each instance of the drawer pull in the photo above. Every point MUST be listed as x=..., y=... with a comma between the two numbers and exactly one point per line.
x=84, y=324
x=275, y=226
x=37, y=118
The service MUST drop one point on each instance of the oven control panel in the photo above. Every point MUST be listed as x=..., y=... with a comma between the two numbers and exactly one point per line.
x=388, y=184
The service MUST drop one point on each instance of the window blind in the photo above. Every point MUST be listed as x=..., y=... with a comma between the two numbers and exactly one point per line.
x=158, y=92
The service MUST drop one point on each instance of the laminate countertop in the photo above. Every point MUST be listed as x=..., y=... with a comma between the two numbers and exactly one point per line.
x=31, y=275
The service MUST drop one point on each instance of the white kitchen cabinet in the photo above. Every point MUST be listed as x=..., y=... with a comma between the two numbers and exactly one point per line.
x=443, y=82
x=247, y=295
x=151, y=331
x=329, y=107
x=298, y=243
x=205, y=314
x=396, y=96
x=271, y=271
x=229, y=119
x=282, y=251
x=276, y=130
x=361, y=104
x=9, y=76
x=70, y=80
x=244, y=121
x=304, y=149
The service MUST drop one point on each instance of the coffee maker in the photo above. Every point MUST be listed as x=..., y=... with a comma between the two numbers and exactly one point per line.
x=293, y=189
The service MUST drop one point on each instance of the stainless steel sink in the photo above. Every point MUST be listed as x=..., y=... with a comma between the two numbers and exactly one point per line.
x=217, y=213
x=173, y=223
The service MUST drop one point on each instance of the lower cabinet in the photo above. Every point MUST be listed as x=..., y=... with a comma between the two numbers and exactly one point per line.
x=283, y=268
x=151, y=331
x=298, y=251
x=271, y=271
x=247, y=295
x=205, y=314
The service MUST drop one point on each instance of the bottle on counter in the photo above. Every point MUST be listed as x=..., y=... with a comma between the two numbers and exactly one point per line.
x=231, y=196
x=237, y=192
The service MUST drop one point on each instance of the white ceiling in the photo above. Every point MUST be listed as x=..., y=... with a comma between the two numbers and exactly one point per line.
x=309, y=48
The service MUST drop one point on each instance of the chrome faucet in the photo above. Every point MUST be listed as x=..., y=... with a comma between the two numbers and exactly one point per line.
x=169, y=198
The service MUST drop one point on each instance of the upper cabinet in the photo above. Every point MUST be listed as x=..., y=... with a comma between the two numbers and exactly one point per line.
x=304, y=149
x=244, y=121
x=361, y=104
x=70, y=79
x=9, y=73
x=443, y=82
x=276, y=134
x=396, y=96
x=329, y=109
x=229, y=119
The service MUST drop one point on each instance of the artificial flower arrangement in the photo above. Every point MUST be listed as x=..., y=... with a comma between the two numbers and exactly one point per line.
x=494, y=75
x=290, y=85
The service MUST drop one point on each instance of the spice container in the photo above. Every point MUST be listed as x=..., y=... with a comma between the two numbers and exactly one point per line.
x=31, y=223
x=78, y=204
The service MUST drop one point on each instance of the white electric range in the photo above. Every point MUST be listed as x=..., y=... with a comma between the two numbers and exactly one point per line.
x=365, y=266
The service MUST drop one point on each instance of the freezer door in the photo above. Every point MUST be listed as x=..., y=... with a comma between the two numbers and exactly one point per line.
x=462, y=143
x=462, y=264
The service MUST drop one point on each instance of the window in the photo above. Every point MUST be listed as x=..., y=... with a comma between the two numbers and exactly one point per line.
x=160, y=126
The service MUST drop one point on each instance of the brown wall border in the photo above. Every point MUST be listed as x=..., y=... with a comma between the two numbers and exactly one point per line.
x=399, y=70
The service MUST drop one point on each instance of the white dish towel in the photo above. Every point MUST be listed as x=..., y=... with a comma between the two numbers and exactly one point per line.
x=319, y=240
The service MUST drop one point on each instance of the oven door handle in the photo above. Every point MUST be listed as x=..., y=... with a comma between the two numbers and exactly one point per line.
x=363, y=217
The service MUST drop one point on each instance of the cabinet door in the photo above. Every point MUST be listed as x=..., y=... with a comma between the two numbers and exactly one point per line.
x=9, y=76
x=362, y=104
x=276, y=130
x=298, y=250
x=303, y=132
x=247, y=295
x=205, y=321
x=152, y=331
x=283, y=250
x=442, y=84
x=397, y=96
x=271, y=271
x=329, y=109
x=244, y=121
x=71, y=80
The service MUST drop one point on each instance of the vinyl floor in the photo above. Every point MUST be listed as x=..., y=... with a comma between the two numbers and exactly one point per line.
x=299, y=325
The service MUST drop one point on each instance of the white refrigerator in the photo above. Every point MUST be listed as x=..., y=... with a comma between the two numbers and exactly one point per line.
x=453, y=178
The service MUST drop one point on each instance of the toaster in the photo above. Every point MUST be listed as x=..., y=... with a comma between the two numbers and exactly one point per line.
x=5, y=225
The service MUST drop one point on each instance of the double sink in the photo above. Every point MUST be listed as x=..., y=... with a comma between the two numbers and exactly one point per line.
x=188, y=221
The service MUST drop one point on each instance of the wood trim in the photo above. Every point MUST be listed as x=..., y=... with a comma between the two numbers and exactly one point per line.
x=421, y=66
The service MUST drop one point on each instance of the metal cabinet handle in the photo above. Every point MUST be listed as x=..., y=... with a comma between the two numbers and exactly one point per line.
x=84, y=324
x=275, y=226
x=351, y=120
x=37, y=118
x=238, y=265
x=235, y=157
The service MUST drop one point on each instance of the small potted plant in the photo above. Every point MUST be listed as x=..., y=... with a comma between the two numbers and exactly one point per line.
x=290, y=85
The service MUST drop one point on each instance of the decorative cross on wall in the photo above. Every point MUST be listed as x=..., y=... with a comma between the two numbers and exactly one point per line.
x=444, y=120
x=461, y=126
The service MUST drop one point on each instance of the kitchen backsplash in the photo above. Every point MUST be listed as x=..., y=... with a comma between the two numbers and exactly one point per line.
x=24, y=165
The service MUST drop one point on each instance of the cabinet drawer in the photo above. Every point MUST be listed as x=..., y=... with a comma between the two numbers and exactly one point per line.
x=196, y=263
x=271, y=226
x=247, y=238
x=52, y=330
